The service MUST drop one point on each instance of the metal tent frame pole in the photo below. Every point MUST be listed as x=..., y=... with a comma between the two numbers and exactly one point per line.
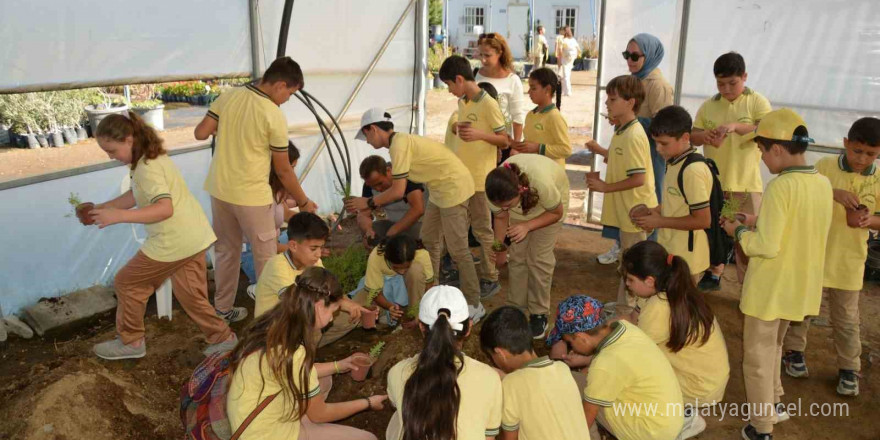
x=360, y=85
x=256, y=46
x=682, y=50
x=421, y=24
x=596, y=115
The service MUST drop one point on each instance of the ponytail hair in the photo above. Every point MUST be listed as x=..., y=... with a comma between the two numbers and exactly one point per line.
x=691, y=319
x=274, y=180
x=431, y=396
x=546, y=77
x=146, y=142
x=278, y=334
x=399, y=249
x=508, y=181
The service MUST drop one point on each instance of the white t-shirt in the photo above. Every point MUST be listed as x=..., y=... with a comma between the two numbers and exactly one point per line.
x=510, y=97
x=570, y=50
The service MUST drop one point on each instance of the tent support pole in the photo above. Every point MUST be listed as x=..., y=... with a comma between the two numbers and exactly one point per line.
x=421, y=55
x=358, y=87
x=682, y=50
x=256, y=47
x=596, y=115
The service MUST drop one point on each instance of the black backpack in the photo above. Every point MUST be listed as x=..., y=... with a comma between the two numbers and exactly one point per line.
x=720, y=245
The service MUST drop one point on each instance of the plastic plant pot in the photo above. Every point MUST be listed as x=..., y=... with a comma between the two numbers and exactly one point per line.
x=32, y=141
x=82, y=213
x=368, y=319
x=57, y=139
x=640, y=210
x=81, y=133
x=854, y=216
x=363, y=362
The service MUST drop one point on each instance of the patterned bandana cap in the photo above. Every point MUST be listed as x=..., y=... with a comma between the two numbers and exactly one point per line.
x=576, y=314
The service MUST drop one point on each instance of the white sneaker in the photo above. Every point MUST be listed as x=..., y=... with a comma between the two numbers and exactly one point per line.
x=611, y=256
x=781, y=414
x=693, y=425
x=476, y=313
x=252, y=291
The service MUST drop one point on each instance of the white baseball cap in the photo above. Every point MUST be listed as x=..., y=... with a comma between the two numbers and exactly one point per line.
x=446, y=298
x=372, y=116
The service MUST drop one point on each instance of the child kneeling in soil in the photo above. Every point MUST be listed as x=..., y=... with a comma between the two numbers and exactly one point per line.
x=441, y=392
x=528, y=194
x=276, y=357
x=541, y=398
x=628, y=373
x=307, y=234
x=397, y=256
x=178, y=235
x=675, y=316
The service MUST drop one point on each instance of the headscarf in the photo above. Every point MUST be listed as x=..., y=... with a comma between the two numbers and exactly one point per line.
x=653, y=50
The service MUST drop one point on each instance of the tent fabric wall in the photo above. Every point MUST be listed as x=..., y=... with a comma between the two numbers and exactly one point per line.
x=818, y=57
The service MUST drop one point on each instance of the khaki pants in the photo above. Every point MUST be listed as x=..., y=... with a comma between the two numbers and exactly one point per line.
x=762, y=356
x=751, y=204
x=845, y=328
x=628, y=240
x=136, y=282
x=531, y=270
x=451, y=225
x=310, y=430
x=481, y=223
x=231, y=223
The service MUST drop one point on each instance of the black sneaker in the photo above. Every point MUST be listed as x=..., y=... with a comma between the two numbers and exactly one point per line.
x=848, y=383
x=794, y=363
x=488, y=288
x=538, y=325
x=234, y=315
x=709, y=282
x=750, y=433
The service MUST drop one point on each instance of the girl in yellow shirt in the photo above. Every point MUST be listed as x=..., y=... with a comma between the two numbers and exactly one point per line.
x=545, y=130
x=276, y=357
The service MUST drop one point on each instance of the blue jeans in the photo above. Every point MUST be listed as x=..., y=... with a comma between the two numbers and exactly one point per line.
x=394, y=291
x=247, y=260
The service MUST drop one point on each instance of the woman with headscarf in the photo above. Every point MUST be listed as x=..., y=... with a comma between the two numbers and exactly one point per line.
x=643, y=54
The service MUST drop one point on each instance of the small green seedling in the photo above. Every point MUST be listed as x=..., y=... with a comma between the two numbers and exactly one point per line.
x=377, y=350
x=74, y=201
x=731, y=206
x=371, y=296
x=344, y=191
x=498, y=246
x=412, y=311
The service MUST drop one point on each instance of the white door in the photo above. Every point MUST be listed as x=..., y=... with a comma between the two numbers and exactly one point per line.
x=517, y=28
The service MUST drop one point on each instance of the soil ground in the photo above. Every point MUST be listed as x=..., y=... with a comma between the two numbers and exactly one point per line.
x=55, y=388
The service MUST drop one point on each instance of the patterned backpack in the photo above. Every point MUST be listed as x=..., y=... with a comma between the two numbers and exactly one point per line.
x=203, y=401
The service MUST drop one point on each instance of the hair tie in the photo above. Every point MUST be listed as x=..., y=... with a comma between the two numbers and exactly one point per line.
x=506, y=165
x=523, y=189
x=444, y=313
x=669, y=259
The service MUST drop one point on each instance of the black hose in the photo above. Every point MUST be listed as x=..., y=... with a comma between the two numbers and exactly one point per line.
x=285, y=27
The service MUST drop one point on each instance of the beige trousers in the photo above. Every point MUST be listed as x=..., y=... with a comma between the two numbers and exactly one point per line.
x=628, y=240
x=845, y=328
x=531, y=270
x=481, y=223
x=451, y=224
x=762, y=356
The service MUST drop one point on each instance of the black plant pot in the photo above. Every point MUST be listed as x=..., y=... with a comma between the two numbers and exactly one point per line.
x=56, y=139
x=81, y=133
x=42, y=140
x=32, y=142
x=69, y=135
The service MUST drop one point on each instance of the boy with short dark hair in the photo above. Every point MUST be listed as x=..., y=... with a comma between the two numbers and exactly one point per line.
x=541, y=398
x=481, y=130
x=307, y=234
x=403, y=216
x=721, y=126
x=251, y=137
x=630, y=176
x=853, y=175
x=681, y=215
x=787, y=259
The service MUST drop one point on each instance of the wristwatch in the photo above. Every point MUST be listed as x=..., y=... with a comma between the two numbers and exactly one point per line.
x=371, y=204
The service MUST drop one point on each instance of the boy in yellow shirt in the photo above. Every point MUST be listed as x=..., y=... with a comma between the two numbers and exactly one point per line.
x=307, y=234
x=541, y=398
x=630, y=176
x=482, y=132
x=787, y=258
x=631, y=389
x=681, y=215
x=722, y=126
x=853, y=175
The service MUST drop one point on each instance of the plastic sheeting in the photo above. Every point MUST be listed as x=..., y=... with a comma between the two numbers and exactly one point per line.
x=818, y=57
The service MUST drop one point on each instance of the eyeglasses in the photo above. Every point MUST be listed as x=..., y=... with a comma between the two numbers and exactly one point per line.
x=488, y=36
x=634, y=56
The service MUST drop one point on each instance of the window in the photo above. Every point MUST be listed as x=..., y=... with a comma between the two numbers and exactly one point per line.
x=567, y=17
x=473, y=16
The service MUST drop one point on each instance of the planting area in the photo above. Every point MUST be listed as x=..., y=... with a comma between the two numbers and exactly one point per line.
x=54, y=388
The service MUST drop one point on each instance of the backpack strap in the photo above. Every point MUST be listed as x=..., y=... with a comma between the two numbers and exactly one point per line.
x=250, y=418
x=476, y=71
x=689, y=159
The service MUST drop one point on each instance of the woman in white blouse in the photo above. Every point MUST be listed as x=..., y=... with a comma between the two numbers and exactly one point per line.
x=497, y=70
x=569, y=51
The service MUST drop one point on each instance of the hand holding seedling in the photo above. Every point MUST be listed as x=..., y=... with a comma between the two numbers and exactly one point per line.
x=395, y=311
x=104, y=217
x=648, y=221
x=847, y=199
x=518, y=232
x=526, y=147
x=356, y=204
x=729, y=226
x=749, y=220
x=352, y=308
x=468, y=133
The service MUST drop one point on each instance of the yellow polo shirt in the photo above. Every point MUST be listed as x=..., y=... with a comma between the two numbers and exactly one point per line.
x=628, y=154
x=249, y=128
x=479, y=411
x=547, y=127
x=480, y=157
x=632, y=381
x=739, y=161
x=787, y=249
x=542, y=401
x=847, y=249
x=702, y=369
x=378, y=269
x=548, y=181
x=451, y=140
x=697, y=184
x=251, y=384
x=278, y=274
x=422, y=160
x=184, y=234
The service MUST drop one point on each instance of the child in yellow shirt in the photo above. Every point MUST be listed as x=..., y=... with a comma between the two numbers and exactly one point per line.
x=853, y=175
x=545, y=130
x=787, y=258
x=178, y=235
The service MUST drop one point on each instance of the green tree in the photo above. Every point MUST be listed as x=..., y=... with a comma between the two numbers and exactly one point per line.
x=435, y=12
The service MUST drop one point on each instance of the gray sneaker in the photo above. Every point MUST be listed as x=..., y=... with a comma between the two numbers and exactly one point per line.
x=115, y=350
x=234, y=315
x=220, y=347
x=488, y=288
x=848, y=383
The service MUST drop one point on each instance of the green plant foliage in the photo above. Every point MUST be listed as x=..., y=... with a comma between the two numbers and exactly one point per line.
x=412, y=311
x=349, y=266
x=146, y=104
x=731, y=206
x=436, y=56
x=376, y=350
x=435, y=12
